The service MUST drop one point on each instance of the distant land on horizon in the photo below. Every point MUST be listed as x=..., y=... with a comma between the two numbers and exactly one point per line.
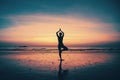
x=8, y=44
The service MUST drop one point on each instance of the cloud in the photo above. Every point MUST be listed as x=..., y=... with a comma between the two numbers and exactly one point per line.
x=107, y=11
x=41, y=28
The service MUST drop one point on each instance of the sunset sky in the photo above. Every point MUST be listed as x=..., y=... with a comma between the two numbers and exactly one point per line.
x=35, y=22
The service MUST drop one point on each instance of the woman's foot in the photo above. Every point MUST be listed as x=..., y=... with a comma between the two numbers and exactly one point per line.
x=61, y=59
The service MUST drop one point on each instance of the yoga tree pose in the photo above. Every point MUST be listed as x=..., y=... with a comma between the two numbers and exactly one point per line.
x=61, y=47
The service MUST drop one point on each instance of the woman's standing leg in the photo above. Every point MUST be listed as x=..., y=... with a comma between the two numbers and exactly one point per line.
x=60, y=51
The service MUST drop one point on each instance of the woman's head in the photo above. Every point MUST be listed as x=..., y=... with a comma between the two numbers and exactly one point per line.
x=60, y=34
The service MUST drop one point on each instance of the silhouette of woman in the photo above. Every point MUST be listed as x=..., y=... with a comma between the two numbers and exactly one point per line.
x=61, y=47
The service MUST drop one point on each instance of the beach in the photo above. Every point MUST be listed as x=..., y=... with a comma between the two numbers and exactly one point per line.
x=59, y=40
x=45, y=65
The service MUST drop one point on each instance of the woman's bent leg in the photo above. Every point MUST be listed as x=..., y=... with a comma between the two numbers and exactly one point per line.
x=64, y=48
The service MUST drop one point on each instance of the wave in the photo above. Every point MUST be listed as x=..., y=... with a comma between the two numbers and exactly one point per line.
x=54, y=49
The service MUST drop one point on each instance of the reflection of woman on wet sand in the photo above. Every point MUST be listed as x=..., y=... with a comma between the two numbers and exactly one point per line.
x=62, y=74
x=61, y=47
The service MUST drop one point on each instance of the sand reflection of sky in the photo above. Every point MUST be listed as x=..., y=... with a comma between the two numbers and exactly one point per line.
x=50, y=61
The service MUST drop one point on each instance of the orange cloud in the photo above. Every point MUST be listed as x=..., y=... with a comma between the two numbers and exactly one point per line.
x=40, y=29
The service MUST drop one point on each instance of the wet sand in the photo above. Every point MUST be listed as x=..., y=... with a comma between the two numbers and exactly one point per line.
x=46, y=66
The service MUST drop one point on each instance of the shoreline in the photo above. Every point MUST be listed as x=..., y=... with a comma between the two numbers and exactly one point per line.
x=70, y=49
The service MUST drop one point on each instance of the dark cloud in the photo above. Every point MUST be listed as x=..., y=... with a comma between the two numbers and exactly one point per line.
x=4, y=23
x=110, y=44
x=106, y=10
x=57, y=6
x=31, y=6
x=4, y=44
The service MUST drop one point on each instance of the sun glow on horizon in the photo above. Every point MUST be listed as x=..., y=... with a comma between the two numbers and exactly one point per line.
x=40, y=29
